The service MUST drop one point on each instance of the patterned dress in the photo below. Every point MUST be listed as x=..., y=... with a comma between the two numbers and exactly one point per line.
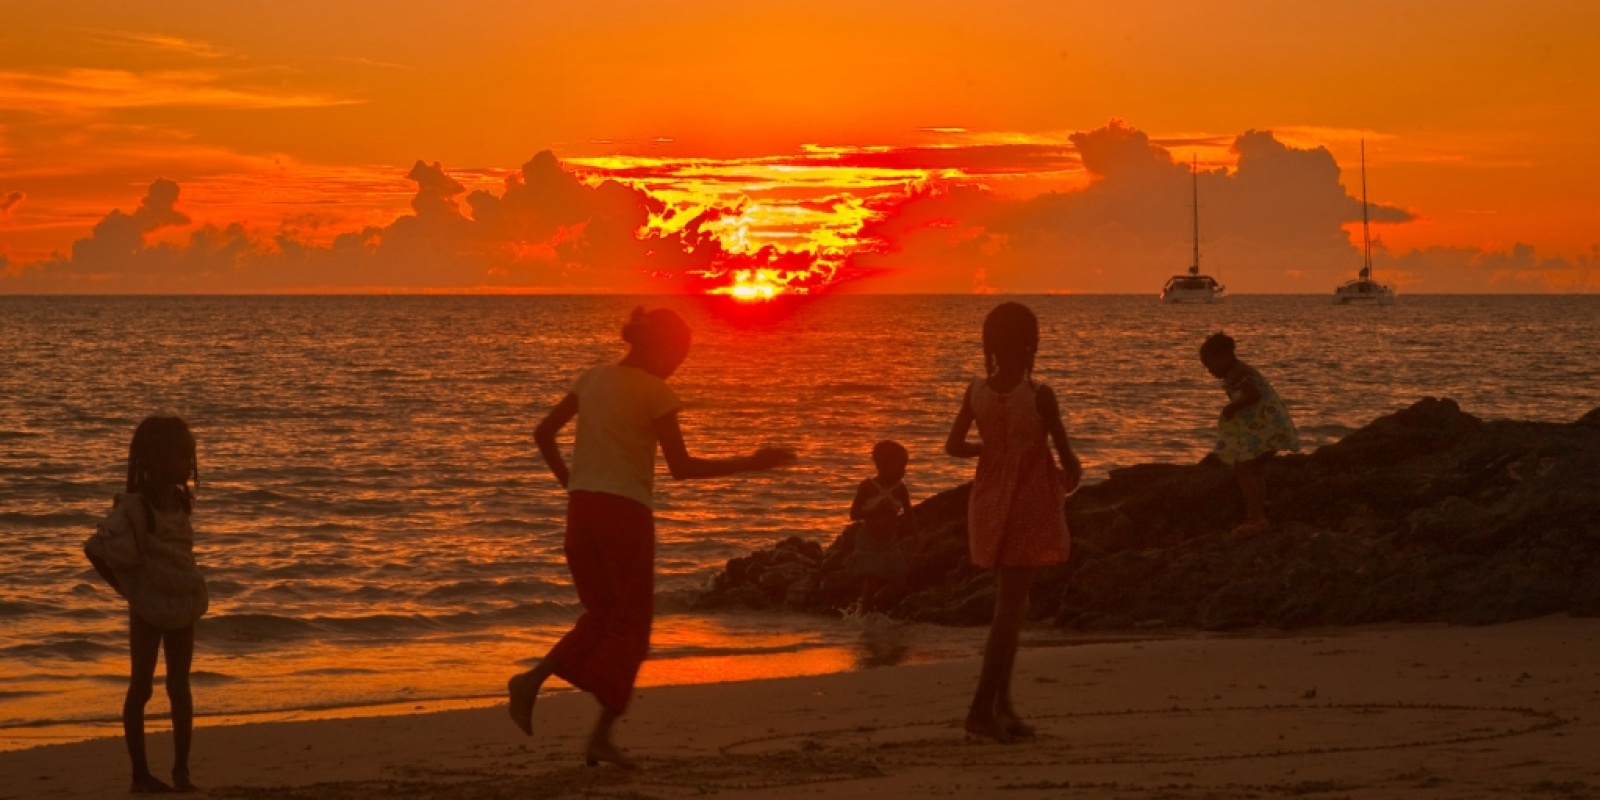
x=1016, y=516
x=1258, y=429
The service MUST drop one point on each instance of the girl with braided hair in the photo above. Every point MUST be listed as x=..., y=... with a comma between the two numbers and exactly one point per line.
x=1016, y=519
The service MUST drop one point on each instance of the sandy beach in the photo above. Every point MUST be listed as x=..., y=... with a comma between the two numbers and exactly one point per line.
x=1387, y=711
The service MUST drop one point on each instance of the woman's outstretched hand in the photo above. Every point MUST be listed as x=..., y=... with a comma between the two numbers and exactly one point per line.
x=772, y=457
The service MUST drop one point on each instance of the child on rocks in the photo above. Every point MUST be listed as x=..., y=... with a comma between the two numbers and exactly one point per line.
x=883, y=504
x=1252, y=428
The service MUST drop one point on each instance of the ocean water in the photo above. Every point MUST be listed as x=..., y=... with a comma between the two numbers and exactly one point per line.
x=378, y=529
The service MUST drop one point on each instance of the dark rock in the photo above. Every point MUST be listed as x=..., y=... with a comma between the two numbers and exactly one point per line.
x=1427, y=514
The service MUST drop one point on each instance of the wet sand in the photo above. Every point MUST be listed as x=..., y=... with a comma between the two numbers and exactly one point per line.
x=1390, y=711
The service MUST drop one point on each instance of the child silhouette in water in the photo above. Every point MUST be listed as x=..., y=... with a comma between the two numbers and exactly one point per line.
x=884, y=504
x=1253, y=427
x=623, y=410
x=1016, y=518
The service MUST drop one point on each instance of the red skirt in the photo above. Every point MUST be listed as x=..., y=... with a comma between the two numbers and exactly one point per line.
x=610, y=548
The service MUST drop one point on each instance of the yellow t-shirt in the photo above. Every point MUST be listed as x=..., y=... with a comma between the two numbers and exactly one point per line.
x=615, y=450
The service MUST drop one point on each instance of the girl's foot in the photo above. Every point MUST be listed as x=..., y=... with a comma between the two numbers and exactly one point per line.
x=607, y=752
x=181, y=782
x=148, y=784
x=522, y=696
x=989, y=728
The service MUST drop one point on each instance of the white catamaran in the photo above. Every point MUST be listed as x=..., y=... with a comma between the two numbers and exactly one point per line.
x=1364, y=290
x=1194, y=287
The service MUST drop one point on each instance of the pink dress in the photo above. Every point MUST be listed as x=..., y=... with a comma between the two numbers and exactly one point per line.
x=1016, y=516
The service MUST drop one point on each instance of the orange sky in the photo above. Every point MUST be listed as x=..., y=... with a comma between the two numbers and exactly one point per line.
x=892, y=146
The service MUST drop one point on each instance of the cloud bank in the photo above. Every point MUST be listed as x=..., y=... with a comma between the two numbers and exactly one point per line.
x=924, y=219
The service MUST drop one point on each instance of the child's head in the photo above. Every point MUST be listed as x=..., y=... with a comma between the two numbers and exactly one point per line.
x=161, y=461
x=1010, y=338
x=1217, y=354
x=891, y=458
x=659, y=338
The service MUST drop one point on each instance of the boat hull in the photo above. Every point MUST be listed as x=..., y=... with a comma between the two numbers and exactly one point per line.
x=1188, y=296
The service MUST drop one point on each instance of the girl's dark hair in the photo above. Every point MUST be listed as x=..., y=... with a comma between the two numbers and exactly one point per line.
x=1217, y=344
x=161, y=462
x=1010, y=338
x=656, y=329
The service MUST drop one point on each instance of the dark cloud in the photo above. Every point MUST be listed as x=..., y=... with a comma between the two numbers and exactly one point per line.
x=10, y=200
x=545, y=229
x=1276, y=222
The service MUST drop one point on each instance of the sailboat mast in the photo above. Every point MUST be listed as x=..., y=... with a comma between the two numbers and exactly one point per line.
x=1366, y=233
x=1194, y=176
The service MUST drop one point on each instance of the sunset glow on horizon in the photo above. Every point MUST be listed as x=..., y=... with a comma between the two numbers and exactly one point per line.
x=1020, y=148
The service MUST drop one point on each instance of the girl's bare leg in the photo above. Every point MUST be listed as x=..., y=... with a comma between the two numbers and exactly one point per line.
x=986, y=717
x=1253, y=484
x=601, y=748
x=524, y=689
x=179, y=645
x=144, y=648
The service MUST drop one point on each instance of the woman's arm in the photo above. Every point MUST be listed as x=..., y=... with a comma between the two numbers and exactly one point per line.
x=545, y=436
x=1050, y=412
x=686, y=467
x=957, y=444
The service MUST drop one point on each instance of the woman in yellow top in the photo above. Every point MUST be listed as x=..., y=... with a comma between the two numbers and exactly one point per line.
x=623, y=411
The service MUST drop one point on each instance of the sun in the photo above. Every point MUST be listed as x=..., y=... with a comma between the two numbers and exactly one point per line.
x=753, y=285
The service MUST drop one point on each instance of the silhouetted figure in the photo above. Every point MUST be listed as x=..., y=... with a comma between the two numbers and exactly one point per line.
x=885, y=505
x=145, y=550
x=1016, y=517
x=1252, y=428
x=623, y=411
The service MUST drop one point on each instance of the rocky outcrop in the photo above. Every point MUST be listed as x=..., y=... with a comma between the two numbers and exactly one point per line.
x=1427, y=514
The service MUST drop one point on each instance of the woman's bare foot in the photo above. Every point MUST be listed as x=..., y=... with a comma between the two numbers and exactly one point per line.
x=1250, y=529
x=1016, y=727
x=988, y=728
x=148, y=784
x=181, y=782
x=605, y=751
x=523, y=690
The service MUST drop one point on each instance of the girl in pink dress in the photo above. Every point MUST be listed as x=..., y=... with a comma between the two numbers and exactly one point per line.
x=1016, y=519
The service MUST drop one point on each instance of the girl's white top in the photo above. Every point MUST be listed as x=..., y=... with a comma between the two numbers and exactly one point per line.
x=615, y=450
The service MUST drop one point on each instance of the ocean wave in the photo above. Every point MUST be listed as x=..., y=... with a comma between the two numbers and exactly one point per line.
x=51, y=519
x=269, y=628
x=74, y=649
x=470, y=589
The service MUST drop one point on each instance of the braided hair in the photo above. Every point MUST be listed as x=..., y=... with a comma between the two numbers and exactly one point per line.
x=1010, y=338
x=161, y=463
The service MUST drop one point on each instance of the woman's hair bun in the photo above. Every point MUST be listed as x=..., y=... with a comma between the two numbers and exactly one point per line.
x=656, y=328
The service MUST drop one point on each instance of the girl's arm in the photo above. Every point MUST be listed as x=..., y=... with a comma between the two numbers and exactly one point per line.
x=856, y=506
x=1050, y=412
x=957, y=444
x=686, y=467
x=545, y=436
x=904, y=496
x=1244, y=380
